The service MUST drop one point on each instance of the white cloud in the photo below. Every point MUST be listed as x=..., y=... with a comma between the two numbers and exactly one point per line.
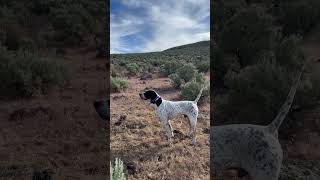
x=172, y=23
x=120, y=27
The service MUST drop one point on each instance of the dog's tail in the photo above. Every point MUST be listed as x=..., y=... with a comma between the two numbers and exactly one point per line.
x=199, y=95
x=276, y=123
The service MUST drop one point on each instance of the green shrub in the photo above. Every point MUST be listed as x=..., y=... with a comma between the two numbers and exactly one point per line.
x=133, y=68
x=289, y=53
x=299, y=17
x=176, y=80
x=223, y=11
x=199, y=78
x=191, y=90
x=170, y=67
x=119, y=84
x=116, y=70
x=203, y=66
x=74, y=20
x=23, y=74
x=187, y=72
x=247, y=34
x=116, y=172
x=256, y=94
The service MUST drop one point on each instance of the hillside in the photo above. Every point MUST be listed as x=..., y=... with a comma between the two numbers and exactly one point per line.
x=198, y=48
x=196, y=53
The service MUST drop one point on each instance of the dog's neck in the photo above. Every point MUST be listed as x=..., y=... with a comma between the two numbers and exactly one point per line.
x=157, y=100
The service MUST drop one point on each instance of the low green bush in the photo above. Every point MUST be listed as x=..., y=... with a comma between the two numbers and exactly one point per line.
x=133, y=68
x=191, y=90
x=170, y=67
x=288, y=52
x=23, y=74
x=175, y=80
x=187, y=72
x=202, y=66
x=119, y=84
x=299, y=17
x=256, y=94
x=247, y=34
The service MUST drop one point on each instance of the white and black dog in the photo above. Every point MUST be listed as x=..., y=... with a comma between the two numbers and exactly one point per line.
x=167, y=110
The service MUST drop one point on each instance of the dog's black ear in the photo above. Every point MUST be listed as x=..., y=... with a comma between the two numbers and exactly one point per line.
x=102, y=108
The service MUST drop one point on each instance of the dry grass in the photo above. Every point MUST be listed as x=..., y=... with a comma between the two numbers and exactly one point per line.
x=141, y=143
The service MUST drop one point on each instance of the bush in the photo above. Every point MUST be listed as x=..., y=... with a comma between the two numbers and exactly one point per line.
x=221, y=63
x=223, y=11
x=247, y=34
x=199, y=78
x=187, y=72
x=170, y=67
x=119, y=84
x=191, y=90
x=299, y=17
x=202, y=66
x=176, y=80
x=133, y=68
x=289, y=53
x=23, y=74
x=257, y=93
x=76, y=20
x=116, y=70
x=116, y=172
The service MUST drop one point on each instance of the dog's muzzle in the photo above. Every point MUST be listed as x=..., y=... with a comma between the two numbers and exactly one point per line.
x=142, y=96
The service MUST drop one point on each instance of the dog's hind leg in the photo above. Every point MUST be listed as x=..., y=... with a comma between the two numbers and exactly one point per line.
x=193, y=128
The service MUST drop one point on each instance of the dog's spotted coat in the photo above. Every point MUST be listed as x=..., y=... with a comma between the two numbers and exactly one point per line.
x=167, y=110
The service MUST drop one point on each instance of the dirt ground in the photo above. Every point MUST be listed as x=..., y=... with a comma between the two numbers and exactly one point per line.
x=140, y=140
x=58, y=133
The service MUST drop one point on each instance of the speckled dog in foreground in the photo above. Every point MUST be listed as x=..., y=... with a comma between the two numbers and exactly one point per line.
x=253, y=148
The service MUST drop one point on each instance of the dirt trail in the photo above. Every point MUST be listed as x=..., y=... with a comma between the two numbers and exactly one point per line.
x=59, y=131
x=140, y=140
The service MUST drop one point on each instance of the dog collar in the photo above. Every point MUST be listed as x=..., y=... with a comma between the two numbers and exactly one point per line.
x=155, y=99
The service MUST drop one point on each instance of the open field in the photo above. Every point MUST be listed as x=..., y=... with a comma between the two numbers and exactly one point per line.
x=137, y=136
x=140, y=140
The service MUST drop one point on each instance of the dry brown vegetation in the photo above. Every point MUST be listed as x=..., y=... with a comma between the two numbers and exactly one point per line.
x=138, y=138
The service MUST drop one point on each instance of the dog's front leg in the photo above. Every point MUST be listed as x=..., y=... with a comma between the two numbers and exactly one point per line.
x=168, y=129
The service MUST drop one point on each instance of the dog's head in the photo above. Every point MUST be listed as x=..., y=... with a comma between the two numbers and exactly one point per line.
x=151, y=97
x=102, y=108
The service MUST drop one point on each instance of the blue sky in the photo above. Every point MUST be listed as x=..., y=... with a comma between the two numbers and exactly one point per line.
x=155, y=25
